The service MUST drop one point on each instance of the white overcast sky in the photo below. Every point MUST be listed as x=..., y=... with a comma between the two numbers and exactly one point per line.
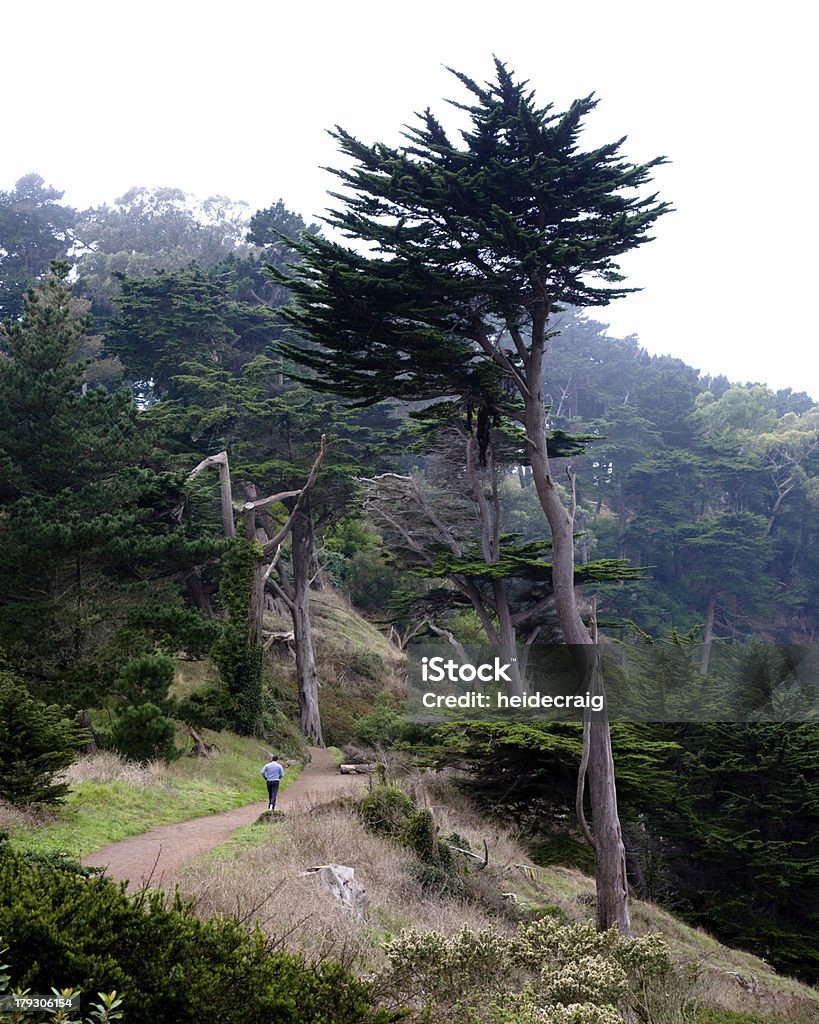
x=235, y=98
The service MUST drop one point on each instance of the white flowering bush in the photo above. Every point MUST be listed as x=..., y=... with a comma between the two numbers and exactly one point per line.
x=429, y=968
x=588, y=979
x=549, y=940
x=578, y=1013
x=549, y=973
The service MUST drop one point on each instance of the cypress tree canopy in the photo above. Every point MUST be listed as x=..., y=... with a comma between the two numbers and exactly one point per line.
x=468, y=250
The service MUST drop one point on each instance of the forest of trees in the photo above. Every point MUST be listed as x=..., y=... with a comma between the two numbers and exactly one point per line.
x=183, y=448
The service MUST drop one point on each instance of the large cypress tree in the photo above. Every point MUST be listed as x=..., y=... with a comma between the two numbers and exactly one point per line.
x=470, y=250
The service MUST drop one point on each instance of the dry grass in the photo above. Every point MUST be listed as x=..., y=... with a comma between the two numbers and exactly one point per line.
x=265, y=882
x=724, y=991
x=12, y=817
x=106, y=766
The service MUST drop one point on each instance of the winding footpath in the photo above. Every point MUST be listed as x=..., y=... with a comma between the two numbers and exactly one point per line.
x=153, y=857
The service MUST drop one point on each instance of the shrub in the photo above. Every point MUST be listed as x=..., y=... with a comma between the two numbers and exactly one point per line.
x=370, y=581
x=384, y=810
x=143, y=733
x=427, y=967
x=37, y=741
x=206, y=709
x=147, y=679
x=549, y=973
x=384, y=724
x=106, y=1010
x=64, y=928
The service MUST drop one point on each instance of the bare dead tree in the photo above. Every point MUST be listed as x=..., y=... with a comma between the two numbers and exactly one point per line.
x=271, y=545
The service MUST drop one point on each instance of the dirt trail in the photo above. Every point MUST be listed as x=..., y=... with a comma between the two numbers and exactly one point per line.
x=155, y=856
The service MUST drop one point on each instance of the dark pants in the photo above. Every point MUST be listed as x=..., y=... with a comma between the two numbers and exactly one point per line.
x=272, y=793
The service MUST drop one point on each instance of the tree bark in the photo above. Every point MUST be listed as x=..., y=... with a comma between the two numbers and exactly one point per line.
x=91, y=746
x=197, y=594
x=302, y=554
x=708, y=636
x=226, y=496
x=609, y=858
x=610, y=852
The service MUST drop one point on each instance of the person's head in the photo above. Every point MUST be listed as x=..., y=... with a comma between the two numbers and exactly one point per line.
x=274, y=757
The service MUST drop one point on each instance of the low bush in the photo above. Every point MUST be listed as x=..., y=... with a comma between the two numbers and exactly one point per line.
x=143, y=733
x=384, y=724
x=64, y=928
x=548, y=973
x=385, y=810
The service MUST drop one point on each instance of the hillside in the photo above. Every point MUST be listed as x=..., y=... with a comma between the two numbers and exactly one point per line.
x=259, y=876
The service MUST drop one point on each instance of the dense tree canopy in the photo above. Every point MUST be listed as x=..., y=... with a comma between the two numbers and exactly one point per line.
x=34, y=230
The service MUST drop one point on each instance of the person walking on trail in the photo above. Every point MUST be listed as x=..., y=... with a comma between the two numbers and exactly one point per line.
x=272, y=773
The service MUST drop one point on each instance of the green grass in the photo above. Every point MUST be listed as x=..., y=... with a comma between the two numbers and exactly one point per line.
x=244, y=838
x=98, y=813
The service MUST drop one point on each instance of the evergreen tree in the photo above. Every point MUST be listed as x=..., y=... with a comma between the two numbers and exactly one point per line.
x=37, y=741
x=471, y=250
x=90, y=542
x=34, y=230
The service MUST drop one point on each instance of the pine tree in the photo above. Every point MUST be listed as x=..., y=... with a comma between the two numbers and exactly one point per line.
x=89, y=537
x=470, y=252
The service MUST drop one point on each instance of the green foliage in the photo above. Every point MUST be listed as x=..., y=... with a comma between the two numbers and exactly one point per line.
x=83, y=524
x=384, y=724
x=549, y=973
x=719, y=819
x=436, y=870
x=36, y=742
x=517, y=211
x=420, y=836
x=143, y=733
x=240, y=669
x=206, y=709
x=34, y=230
x=385, y=810
x=171, y=321
x=62, y=928
x=388, y=811
x=107, y=1009
x=356, y=562
x=147, y=678
x=238, y=652
x=370, y=581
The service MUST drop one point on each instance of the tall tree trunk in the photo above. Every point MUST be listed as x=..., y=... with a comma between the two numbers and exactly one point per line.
x=508, y=638
x=609, y=858
x=610, y=853
x=302, y=547
x=708, y=636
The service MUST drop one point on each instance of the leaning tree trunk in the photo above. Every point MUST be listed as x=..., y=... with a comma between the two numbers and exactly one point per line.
x=609, y=856
x=302, y=553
